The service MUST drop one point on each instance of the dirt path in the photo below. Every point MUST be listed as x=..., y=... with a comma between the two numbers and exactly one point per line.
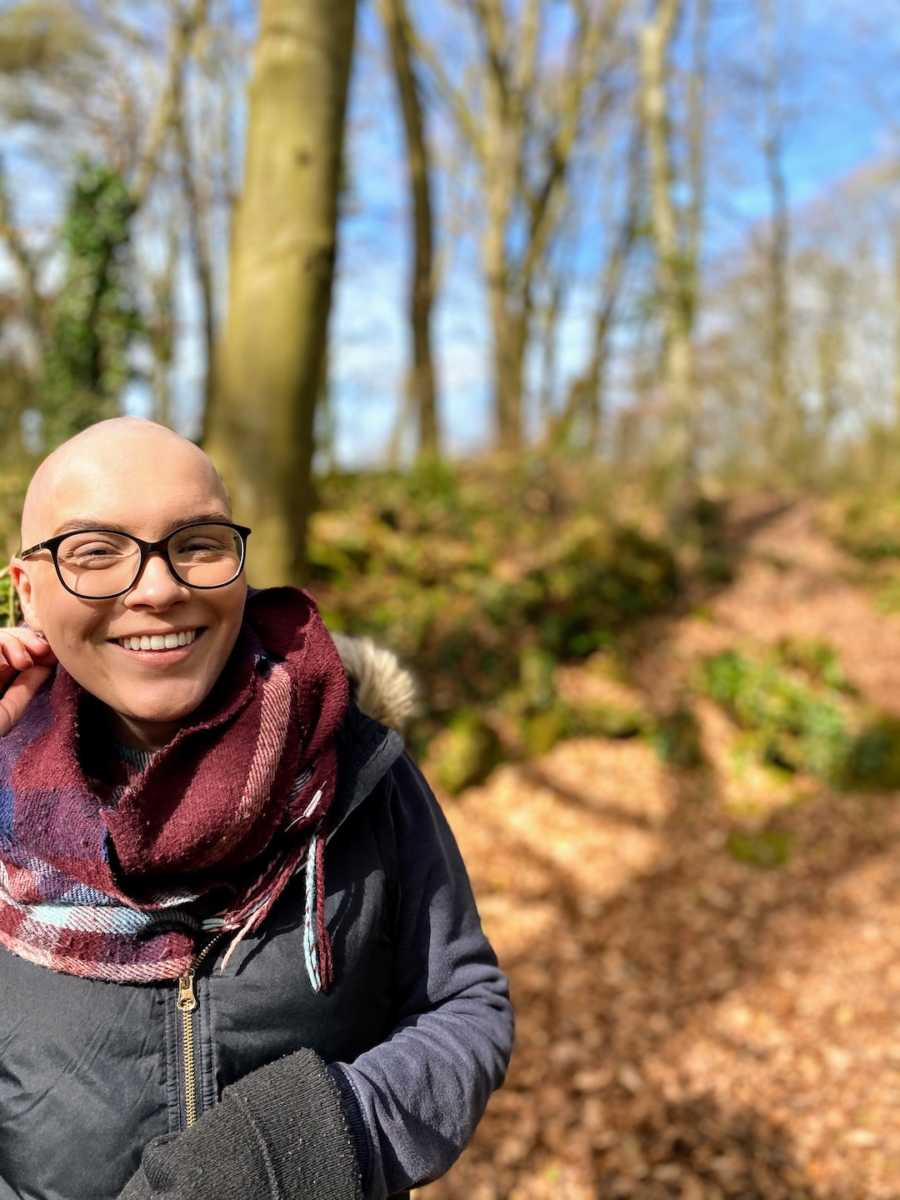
x=690, y=1026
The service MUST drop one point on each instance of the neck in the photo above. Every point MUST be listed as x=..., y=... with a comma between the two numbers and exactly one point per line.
x=140, y=735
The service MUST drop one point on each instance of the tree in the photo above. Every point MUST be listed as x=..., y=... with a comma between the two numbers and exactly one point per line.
x=284, y=240
x=114, y=162
x=421, y=379
x=580, y=420
x=93, y=317
x=521, y=123
x=676, y=269
x=782, y=430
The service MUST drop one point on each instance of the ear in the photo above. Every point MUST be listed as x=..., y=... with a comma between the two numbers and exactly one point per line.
x=21, y=581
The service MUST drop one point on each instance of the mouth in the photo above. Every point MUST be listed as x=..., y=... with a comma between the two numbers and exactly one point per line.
x=168, y=645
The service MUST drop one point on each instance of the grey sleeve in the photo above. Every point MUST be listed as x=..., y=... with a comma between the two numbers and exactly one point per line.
x=421, y=1092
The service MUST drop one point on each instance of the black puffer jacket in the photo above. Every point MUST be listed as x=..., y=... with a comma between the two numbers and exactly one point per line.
x=417, y=1025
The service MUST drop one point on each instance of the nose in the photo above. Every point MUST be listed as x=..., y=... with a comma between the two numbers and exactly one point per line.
x=156, y=586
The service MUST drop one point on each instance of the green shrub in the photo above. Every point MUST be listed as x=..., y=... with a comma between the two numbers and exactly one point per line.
x=795, y=727
x=9, y=605
x=469, y=573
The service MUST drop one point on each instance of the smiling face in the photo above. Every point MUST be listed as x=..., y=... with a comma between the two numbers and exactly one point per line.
x=146, y=480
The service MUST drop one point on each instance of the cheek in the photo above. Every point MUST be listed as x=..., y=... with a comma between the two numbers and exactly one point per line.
x=72, y=631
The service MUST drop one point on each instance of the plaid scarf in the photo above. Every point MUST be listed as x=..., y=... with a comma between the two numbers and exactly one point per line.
x=204, y=838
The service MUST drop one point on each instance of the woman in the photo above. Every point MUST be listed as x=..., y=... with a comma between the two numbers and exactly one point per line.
x=240, y=954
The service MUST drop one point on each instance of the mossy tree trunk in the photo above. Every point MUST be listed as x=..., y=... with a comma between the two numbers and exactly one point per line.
x=270, y=357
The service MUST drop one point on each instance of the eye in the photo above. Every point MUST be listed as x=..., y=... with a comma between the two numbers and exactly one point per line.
x=85, y=550
x=201, y=546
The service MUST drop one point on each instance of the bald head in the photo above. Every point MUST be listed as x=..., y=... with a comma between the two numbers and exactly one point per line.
x=138, y=478
x=141, y=453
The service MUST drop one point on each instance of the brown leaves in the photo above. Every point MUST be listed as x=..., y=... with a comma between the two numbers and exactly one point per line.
x=689, y=1025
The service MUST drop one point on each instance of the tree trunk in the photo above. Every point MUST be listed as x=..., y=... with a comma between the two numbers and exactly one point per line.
x=421, y=382
x=583, y=410
x=198, y=244
x=673, y=271
x=270, y=357
x=783, y=433
x=500, y=182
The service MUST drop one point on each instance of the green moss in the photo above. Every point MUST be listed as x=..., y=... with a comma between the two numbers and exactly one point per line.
x=796, y=727
x=873, y=760
x=676, y=738
x=717, y=567
x=816, y=658
x=764, y=848
x=465, y=752
x=541, y=731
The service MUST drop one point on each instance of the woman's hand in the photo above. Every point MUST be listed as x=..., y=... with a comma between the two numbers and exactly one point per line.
x=25, y=662
x=277, y=1134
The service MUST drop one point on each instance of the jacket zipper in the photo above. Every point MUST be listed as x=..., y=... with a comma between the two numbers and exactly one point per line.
x=187, y=1004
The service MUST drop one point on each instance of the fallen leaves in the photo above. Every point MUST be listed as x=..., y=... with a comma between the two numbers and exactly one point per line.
x=689, y=1025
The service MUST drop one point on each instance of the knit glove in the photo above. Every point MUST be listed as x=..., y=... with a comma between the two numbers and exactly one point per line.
x=278, y=1134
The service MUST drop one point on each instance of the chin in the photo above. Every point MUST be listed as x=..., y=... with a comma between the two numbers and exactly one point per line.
x=167, y=709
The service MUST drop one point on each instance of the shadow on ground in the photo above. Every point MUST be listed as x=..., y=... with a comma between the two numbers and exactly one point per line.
x=598, y=1101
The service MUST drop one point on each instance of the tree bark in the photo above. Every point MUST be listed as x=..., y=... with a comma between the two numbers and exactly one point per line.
x=198, y=244
x=674, y=272
x=583, y=409
x=269, y=365
x=421, y=382
x=782, y=431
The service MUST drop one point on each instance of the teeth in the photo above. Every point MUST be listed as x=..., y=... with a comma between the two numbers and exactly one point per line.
x=159, y=641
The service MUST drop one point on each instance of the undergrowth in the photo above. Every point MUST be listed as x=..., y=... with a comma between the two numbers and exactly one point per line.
x=484, y=581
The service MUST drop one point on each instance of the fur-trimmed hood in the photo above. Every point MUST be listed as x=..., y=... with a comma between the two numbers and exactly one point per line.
x=382, y=688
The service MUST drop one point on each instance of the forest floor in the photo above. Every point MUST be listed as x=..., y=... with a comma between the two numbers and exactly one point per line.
x=690, y=1025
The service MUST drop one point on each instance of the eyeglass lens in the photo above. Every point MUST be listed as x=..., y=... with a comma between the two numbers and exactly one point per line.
x=96, y=564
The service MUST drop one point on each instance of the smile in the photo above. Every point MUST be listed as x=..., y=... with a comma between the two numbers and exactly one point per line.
x=159, y=641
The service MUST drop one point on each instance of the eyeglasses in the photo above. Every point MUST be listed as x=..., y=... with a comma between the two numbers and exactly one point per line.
x=97, y=564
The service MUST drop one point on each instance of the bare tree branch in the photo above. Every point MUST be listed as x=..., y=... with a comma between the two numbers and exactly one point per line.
x=184, y=26
x=451, y=95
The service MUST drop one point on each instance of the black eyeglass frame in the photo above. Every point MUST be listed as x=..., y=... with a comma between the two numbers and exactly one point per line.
x=146, y=548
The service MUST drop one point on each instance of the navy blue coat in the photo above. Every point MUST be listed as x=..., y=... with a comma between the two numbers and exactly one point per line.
x=417, y=1026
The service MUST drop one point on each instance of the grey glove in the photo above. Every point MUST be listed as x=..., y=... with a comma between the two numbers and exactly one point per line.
x=278, y=1134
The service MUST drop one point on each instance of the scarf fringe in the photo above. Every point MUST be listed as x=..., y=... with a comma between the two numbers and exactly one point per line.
x=317, y=949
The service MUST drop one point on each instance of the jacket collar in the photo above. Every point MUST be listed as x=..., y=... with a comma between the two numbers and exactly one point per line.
x=366, y=752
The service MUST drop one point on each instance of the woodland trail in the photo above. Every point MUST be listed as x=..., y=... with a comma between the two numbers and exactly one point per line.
x=690, y=1025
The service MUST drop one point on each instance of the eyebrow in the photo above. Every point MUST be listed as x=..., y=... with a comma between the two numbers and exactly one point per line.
x=77, y=523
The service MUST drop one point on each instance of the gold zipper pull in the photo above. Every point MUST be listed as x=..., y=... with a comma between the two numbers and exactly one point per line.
x=187, y=997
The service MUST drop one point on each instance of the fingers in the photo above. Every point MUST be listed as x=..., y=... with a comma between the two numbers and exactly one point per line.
x=25, y=663
x=15, y=654
x=21, y=648
x=19, y=695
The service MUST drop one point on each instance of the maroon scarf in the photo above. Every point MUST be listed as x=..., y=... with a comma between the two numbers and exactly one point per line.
x=208, y=834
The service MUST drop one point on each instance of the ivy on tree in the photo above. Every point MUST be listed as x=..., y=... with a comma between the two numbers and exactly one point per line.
x=94, y=316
